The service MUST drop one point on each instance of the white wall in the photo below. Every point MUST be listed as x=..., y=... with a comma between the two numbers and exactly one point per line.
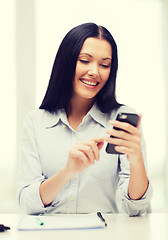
x=137, y=28
x=32, y=31
x=7, y=101
x=165, y=55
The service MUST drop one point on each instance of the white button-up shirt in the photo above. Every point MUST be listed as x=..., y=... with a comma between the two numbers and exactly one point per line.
x=47, y=140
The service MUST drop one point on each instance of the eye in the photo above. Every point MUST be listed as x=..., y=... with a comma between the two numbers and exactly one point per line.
x=84, y=61
x=105, y=66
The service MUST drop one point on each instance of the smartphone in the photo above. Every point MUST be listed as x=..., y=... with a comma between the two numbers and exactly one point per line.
x=130, y=118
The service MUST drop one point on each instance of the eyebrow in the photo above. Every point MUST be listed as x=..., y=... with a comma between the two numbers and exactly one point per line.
x=107, y=58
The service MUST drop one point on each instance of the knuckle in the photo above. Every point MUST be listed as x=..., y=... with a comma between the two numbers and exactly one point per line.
x=87, y=148
x=136, y=147
x=140, y=135
x=128, y=126
x=71, y=151
x=138, y=141
x=122, y=134
x=120, y=141
x=92, y=144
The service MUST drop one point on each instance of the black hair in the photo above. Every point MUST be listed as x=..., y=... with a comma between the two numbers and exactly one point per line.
x=60, y=87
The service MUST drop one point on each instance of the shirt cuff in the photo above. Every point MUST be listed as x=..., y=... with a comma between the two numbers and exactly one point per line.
x=30, y=200
x=139, y=206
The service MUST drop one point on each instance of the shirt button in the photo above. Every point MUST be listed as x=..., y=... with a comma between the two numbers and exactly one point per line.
x=74, y=177
x=64, y=126
x=86, y=118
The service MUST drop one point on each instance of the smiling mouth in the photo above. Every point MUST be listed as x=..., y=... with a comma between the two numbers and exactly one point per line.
x=89, y=83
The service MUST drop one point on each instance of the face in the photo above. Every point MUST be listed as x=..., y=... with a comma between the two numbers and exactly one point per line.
x=93, y=68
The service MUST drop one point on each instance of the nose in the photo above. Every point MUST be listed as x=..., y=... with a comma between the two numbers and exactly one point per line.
x=93, y=70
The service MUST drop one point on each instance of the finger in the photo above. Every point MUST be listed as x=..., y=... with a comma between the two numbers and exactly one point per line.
x=100, y=145
x=91, y=155
x=96, y=145
x=100, y=139
x=95, y=140
x=118, y=133
x=77, y=154
x=139, y=121
x=87, y=151
x=95, y=149
x=125, y=139
x=121, y=149
x=119, y=142
x=83, y=158
x=127, y=150
x=91, y=148
x=124, y=126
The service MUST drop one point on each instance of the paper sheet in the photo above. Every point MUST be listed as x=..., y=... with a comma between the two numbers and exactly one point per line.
x=60, y=222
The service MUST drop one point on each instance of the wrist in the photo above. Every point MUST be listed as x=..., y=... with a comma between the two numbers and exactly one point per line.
x=66, y=175
x=136, y=159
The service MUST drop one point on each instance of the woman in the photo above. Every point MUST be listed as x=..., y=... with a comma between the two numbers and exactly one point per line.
x=65, y=168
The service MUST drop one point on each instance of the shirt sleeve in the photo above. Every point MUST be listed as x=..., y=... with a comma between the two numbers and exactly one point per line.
x=130, y=206
x=30, y=174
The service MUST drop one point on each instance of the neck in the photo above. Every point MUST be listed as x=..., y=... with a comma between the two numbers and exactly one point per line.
x=77, y=109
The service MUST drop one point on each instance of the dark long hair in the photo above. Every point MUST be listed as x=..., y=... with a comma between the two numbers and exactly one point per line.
x=60, y=87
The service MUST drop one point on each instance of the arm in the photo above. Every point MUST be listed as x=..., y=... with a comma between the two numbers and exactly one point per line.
x=30, y=172
x=81, y=156
x=134, y=179
x=35, y=191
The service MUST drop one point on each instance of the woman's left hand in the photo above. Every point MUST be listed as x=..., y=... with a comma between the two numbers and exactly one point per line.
x=127, y=140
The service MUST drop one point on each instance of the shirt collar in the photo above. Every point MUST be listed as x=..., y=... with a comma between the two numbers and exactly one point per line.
x=60, y=115
x=54, y=118
x=98, y=116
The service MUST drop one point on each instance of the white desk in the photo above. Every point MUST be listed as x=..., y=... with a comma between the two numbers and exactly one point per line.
x=148, y=227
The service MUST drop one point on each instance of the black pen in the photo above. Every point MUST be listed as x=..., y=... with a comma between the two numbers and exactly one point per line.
x=3, y=228
x=101, y=217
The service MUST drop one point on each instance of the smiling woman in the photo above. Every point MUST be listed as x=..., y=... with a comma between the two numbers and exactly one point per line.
x=77, y=108
x=93, y=67
x=98, y=45
x=92, y=72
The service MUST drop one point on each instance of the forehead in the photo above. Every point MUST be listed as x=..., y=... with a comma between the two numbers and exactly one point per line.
x=97, y=47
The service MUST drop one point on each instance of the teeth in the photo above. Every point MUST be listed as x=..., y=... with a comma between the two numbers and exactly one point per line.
x=90, y=83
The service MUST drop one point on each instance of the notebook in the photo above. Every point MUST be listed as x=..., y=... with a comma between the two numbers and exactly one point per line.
x=61, y=222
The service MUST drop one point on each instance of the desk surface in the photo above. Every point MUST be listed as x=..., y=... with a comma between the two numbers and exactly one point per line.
x=153, y=226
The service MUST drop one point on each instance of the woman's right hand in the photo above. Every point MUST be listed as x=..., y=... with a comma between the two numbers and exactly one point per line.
x=82, y=155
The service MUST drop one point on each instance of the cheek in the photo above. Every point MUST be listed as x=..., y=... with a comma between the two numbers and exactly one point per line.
x=105, y=76
x=80, y=70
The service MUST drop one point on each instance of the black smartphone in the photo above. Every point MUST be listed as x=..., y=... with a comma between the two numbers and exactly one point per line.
x=130, y=118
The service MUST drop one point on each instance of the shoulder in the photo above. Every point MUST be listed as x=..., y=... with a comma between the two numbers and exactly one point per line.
x=122, y=109
x=126, y=109
x=40, y=117
x=35, y=114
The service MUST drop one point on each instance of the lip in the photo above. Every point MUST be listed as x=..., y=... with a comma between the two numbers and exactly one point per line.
x=85, y=80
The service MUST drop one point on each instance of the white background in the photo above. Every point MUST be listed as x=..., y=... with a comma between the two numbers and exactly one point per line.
x=137, y=26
